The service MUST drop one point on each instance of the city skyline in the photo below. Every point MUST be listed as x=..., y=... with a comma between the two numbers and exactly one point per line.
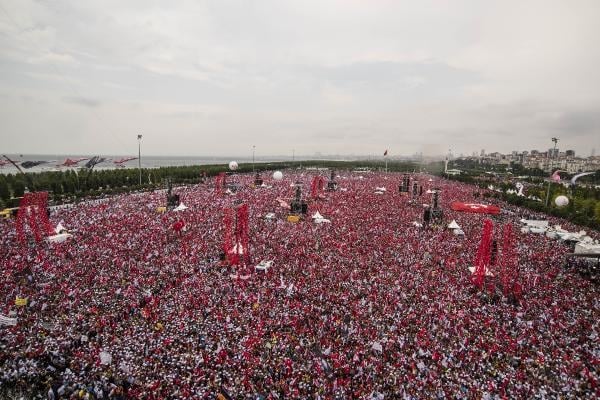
x=335, y=77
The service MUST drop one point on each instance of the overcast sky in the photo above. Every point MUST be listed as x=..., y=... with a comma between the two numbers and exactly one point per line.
x=339, y=77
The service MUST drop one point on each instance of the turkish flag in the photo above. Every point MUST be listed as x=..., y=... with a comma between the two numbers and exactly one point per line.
x=475, y=208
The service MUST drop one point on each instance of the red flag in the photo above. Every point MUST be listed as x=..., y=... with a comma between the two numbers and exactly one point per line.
x=385, y=154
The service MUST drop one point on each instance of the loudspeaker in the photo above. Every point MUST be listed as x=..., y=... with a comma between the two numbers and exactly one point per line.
x=427, y=215
x=298, y=207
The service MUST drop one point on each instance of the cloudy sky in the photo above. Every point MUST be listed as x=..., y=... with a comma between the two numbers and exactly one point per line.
x=338, y=77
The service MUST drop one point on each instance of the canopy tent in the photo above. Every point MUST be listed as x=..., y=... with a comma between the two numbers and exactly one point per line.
x=458, y=232
x=60, y=228
x=270, y=216
x=319, y=219
x=453, y=225
x=180, y=207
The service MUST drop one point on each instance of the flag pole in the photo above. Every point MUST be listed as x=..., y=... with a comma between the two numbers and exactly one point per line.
x=385, y=158
x=140, y=157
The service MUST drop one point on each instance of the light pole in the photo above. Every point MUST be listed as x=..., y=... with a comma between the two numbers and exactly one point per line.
x=293, y=155
x=253, y=151
x=555, y=140
x=140, y=157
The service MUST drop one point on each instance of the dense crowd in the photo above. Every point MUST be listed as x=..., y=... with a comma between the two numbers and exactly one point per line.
x=369, y=306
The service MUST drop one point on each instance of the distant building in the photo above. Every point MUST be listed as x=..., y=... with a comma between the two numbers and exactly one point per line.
x=570, y=153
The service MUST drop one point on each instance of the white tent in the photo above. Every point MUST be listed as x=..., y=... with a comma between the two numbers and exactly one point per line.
x=270, y=216
x=321, y=221
x=458, y=232
x=317, y=215
x=59, y=228
x=380, y=189
x=180, y=207
x=453, y=225
x=417, y=224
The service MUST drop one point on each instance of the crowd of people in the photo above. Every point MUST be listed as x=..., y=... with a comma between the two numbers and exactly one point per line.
x=369, y=306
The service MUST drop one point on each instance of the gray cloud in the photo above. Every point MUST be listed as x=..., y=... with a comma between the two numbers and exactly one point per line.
x=326, y=75
x=82, y=101
x=580, y=123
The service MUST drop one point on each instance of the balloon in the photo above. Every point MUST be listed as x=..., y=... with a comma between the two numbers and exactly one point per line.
x=561, y=201
x=277, y=175
x=555, y=176
x=233, y=165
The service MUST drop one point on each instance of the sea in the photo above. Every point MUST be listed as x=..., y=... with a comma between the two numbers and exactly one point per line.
x=53, y=161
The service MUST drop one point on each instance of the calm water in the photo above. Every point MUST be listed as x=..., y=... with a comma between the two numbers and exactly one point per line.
x=147, y=161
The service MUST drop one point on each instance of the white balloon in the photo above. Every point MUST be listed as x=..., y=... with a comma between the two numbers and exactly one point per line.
x=233, y=165
x=561, y=201
x=277, y=175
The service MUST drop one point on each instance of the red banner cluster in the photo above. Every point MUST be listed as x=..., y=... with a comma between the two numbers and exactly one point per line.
x=316, y=186
x=235, y=238
x=509, y=264
x=484, y=252
x=220, y=182
x=33, y=207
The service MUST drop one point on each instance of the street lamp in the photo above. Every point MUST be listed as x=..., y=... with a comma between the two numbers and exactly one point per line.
x=555, y=140
x=139, y=137
x=253, y=150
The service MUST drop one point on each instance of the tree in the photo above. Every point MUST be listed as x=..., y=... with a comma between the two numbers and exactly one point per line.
x=4, y=189
x=18, y=188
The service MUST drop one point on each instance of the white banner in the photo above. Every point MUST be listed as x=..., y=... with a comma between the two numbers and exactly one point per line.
x=4, y=320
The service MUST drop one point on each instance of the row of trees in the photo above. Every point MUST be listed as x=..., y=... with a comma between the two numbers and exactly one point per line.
x=70, y=185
